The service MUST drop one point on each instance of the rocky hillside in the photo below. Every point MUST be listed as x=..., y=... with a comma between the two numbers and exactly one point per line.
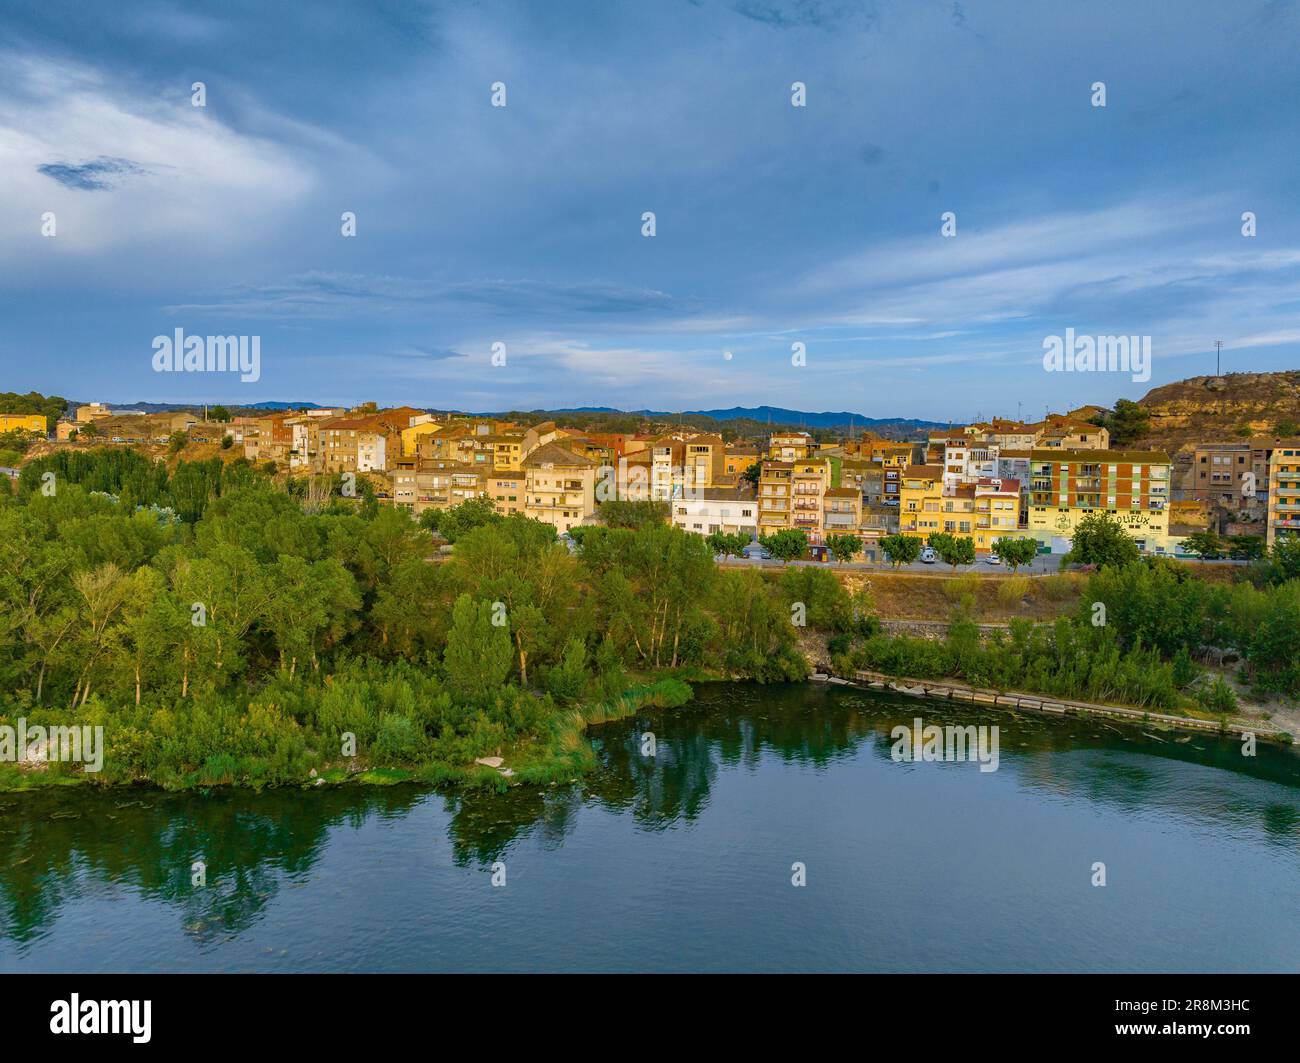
x=1222, y=409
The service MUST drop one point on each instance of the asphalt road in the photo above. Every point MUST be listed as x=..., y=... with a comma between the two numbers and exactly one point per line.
x=1042, y=565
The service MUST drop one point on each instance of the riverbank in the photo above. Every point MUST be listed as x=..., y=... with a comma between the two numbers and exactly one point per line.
x=559, y=753
x=952, y=690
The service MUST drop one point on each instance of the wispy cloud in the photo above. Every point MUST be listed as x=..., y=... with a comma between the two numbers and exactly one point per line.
x=93, y=176
x=330, y=295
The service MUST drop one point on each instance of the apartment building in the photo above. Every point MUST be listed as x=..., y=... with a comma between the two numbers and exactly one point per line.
x=892, y=455
x=1283, y=493
x=271, y=439
x=998, y=512
x=1219, y=473
x=774, y=496
x=809, y=481
x=957, y=510
x=704, y=461
x=920, y=500
x=732, y=510
x=1261, y=457
x=421, y=429
x=359, y=444
x=950, y=451
x=507, y=489
x=865, y=476
x=494, y=451
x=560, y=487
x=789, y=446
x=666, y=456
x=1067, y=485
x=877, y=522
x=841, y=511
x=434, y=484
x=738, y=458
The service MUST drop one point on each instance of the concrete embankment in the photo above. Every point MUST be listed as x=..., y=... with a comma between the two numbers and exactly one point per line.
x=953, y=691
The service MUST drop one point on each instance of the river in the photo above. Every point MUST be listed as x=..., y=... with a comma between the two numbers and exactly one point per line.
x=685, y=860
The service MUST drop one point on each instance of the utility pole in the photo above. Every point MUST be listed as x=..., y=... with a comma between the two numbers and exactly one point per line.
x=1218, y=350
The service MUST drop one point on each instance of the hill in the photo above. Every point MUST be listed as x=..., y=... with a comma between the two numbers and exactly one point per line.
x=1222, y=409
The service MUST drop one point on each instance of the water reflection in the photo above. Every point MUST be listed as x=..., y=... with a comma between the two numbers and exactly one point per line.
x=58, y=847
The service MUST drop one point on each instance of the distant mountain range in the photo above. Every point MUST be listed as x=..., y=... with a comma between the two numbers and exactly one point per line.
x=774, y=415
x=167, y=407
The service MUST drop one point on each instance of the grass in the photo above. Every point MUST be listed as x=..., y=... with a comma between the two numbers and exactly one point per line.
x=923, y=596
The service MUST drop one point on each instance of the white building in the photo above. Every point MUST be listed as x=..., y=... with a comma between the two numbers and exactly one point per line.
x=717, y=509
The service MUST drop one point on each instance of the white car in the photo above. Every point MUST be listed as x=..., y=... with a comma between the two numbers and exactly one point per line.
x=993, y=559
x=928, y=556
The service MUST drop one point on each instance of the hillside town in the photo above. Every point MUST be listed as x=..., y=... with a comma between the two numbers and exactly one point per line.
x=999, y=479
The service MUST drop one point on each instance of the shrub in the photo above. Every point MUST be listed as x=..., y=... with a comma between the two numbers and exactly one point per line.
x=1011, y=591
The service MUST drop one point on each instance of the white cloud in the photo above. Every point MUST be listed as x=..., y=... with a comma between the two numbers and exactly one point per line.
x=198, y=188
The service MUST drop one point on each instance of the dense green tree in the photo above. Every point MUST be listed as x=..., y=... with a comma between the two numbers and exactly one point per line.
x=844, y=546
x=953, y=550
x=1127, y=423
x=478, y=655
x=1205, y=544
x=1016, y=552
x=620, y=513
x=788, y=544
x=1102, y=541
x=456, y=521
x=901, y=549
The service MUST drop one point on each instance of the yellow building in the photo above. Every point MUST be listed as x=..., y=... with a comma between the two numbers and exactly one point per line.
x=920, y=500
x=1131, y=486
x=997, y=512
x=507, y=490
x=1283, y=493
x=559, y=486
x=738, y=459
x=774, y=496
x=92, y=411
x=33, y=423
x=411, y=436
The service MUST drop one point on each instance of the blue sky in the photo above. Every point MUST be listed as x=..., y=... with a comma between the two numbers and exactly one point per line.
x=522, y=225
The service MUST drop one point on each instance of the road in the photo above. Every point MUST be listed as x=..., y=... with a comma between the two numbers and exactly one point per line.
x=1042, y=565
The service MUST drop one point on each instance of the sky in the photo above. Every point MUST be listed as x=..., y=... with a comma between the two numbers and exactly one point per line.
x=522, y=225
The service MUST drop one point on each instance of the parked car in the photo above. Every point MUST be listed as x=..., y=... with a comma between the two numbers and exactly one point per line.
x=928, y=556
x=993, y=559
